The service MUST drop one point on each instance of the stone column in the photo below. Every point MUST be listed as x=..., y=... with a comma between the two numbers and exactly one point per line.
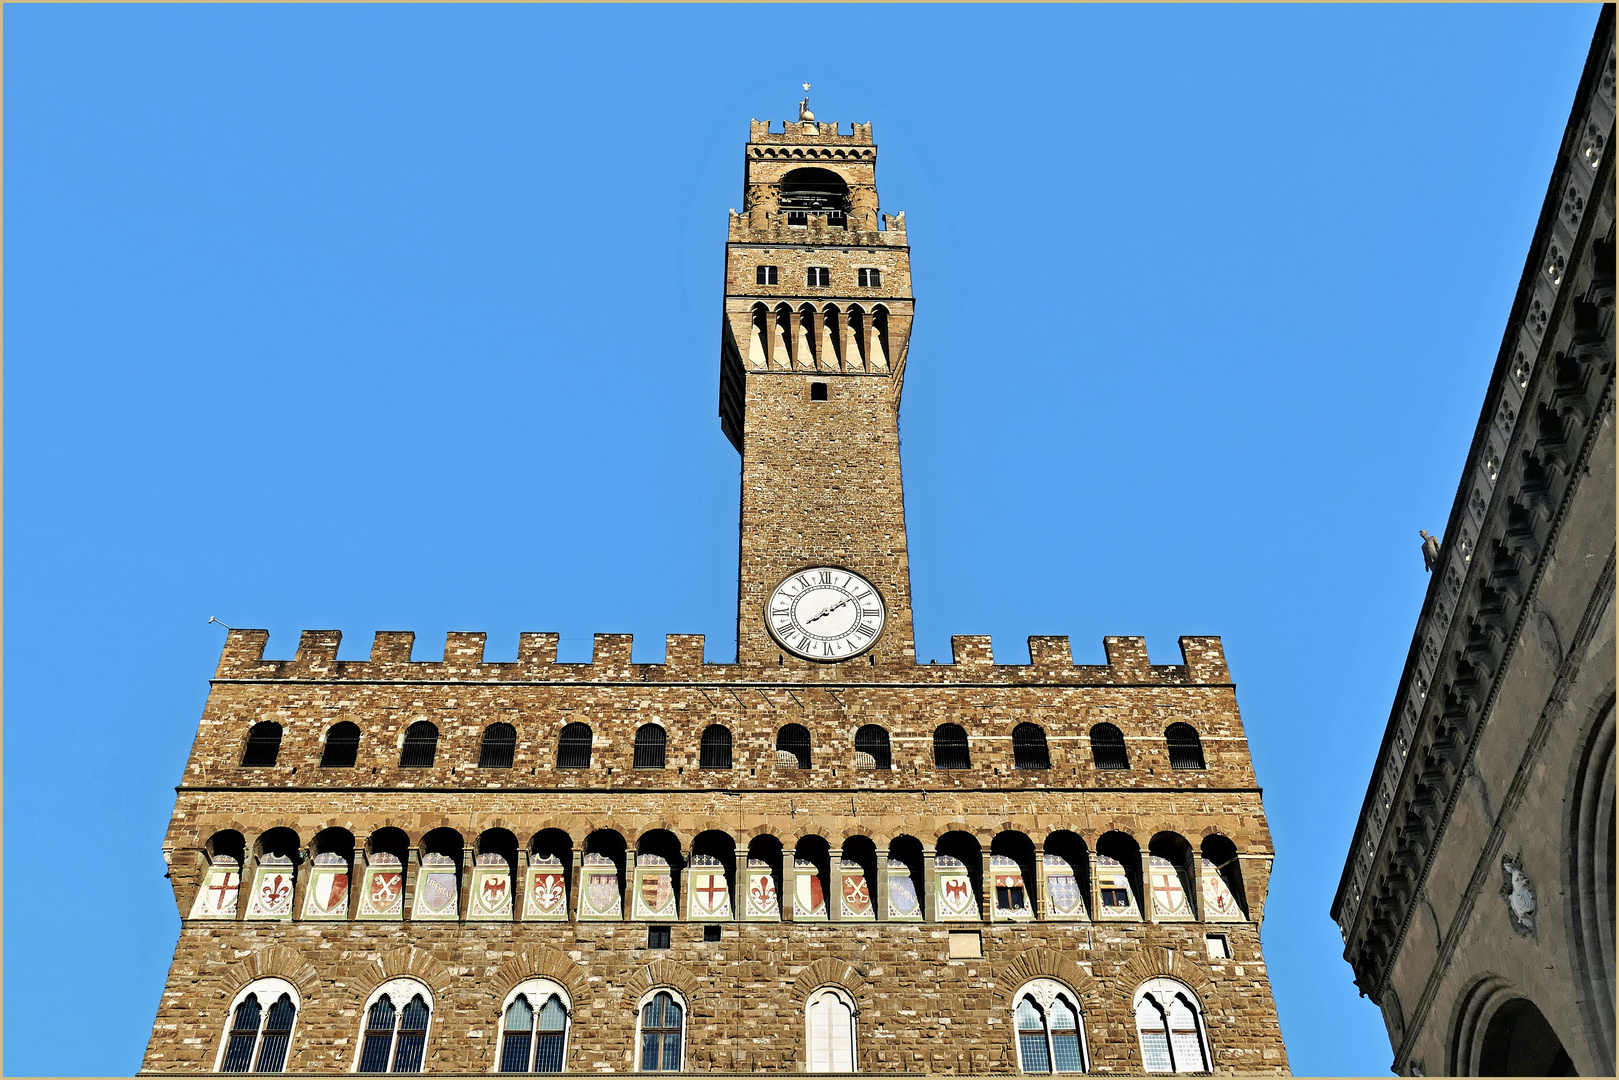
x=1038, y=900
x=575, y=870
x=986, y=904
x=1095, y=897
x=881, y=909
x=413, y=866
x=356, y=880
x=1149, y=911
x=789, y=886
x=834, y=885
x=930, y=904
x=469, y=859
x=519, y=885
x=302, y=862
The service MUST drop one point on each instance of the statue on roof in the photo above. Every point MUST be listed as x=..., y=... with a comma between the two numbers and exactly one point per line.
x=804, y=114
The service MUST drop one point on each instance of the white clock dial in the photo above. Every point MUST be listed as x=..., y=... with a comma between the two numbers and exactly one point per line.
x=825, y=613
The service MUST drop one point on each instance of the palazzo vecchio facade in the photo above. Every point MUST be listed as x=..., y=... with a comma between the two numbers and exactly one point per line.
x=819, y=858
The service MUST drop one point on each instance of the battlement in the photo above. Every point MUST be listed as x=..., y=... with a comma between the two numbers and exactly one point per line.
x=973, y=661
x=776, y=231
x=814, y=131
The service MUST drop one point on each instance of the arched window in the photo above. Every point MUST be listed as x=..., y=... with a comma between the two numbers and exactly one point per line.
x=534, y=1028
x=421, y=743
x=260, y=1028
x=1050, y=1037
x=1029, y=747
x=1171, y=1028
x=498, y=748
x=829, y=1026
x=872, y=741
x=1107, y=747
x=663, y=1023
x=649, y=746
x=950, y=748
x=793, y=747
x=573, y=748
x=1185, y=748
x=396, y=1021
x=342, y=746
x=263, y=744
x=716, y=749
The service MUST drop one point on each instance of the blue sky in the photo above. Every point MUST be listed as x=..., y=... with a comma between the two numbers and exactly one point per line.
x=408, y=318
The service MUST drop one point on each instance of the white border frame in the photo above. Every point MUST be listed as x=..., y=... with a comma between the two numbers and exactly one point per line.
x=1161, y=984
x=640, y=1009
x=1067, y=992
x=393, y=988
x=542, y=988
x=275, y=986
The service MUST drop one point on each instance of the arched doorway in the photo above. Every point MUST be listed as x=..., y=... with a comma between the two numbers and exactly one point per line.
x=1519, y=1042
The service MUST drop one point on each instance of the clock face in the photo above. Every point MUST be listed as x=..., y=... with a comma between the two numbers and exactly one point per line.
x=825, y=613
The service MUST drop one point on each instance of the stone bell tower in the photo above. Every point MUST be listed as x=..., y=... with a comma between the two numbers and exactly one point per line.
x=817, y=322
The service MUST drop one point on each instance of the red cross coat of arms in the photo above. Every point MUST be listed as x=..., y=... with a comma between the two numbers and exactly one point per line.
x=710, y=893
x=1167, y=892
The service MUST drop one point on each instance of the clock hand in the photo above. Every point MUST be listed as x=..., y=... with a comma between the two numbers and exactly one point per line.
x=830, y=610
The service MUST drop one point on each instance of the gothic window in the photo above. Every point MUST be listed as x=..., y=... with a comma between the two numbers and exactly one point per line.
x=421, y=744
x=260, y=1028
x=342, y=746
x=263, y=744
x=573, y=748
x=1171, y=1028
x=793, y=747
x=499, y=747
x=819, y=276
x=1185, y=748
x=663, y=1022
x=396, y=1021
x=870, y=277
x=649, y=747
x=871, y=741
x=715, y=752
x=829, y=1023
x=1107, y=747
x=534, y=1028
x=950, y=748
x=1049, y=1035
x=764, y=275
x=1029, y=747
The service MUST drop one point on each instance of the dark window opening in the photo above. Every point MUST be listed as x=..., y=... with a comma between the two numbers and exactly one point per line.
x=263, y=745
x=342, y=746
x=815, y=191
x=797, y=217
x=817, y=391
x=650, y=741
x=499, y=747
x=950, y=748
x=1185, y=748
x=819, y=276
x=793, y=747
x=711, y=933
x=573, y=748
x=421, y=744
x=1029, y=747
x=1116, y=898
x=870, y=277
x=715, y=752
x=1008, y=897
x=657, y=937
x=1107, y=747
x=873, y=741
x=764, y=275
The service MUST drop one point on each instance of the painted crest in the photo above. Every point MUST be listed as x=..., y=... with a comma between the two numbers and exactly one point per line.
x=1117, y=899
x=217, y=897
x=955, y=897
x=384, y=893
x=763, y=900
x=654, y=889
x=710, y=895
x=600, y=899
x=1062, y=889
x=1218, y=903
x=856, y=892
x=1168, y=894
x=491, y=888
x=328, y=893
x=547, y=890
x=272, y=889
x=436, y=888
x=809, y=897
x=903, y=903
